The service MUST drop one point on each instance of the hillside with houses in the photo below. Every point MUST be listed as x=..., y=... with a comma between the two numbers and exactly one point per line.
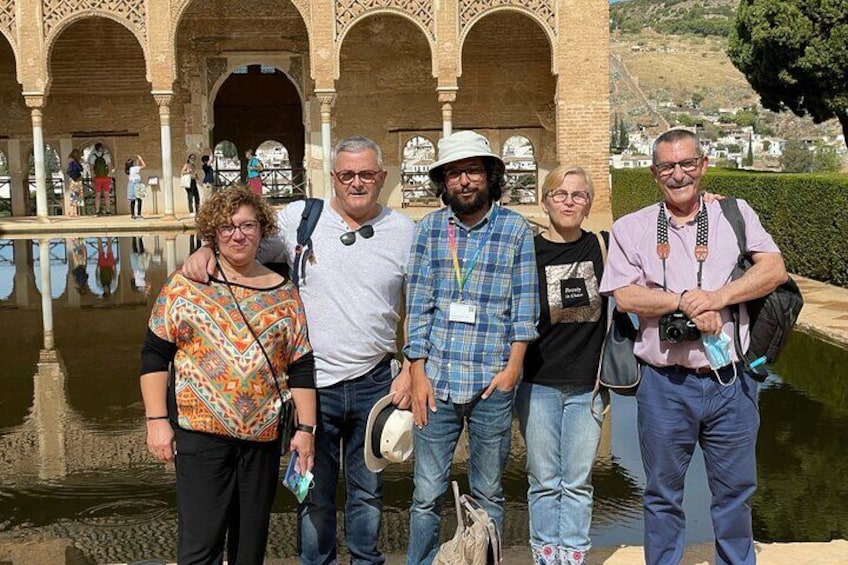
x=668, y=68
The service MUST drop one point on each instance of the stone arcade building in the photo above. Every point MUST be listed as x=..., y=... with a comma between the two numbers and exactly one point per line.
x=164, y=78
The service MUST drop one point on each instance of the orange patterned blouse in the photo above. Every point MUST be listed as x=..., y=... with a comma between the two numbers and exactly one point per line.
x=223, y=382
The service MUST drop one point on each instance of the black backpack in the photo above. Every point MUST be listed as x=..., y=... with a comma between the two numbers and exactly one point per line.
x=308, y=220
x=772, y=316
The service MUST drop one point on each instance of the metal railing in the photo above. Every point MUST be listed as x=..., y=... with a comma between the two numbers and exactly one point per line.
x=6, y=202
x=56, y=197
x=417, y=190
x=521, y=186
x=280, y=185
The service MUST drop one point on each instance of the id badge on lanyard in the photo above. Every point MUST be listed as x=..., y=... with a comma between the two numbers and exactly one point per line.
x=465, y=311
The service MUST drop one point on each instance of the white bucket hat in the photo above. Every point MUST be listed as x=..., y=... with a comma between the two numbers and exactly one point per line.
x=388, y=435
x=463, y=145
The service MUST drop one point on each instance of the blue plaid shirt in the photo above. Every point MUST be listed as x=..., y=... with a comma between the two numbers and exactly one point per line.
x=462, y=359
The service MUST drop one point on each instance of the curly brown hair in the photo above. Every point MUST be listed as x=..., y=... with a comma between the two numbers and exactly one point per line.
x=219, y=210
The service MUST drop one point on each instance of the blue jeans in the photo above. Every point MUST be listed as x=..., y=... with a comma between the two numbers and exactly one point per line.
x=562, y=435
x=343, y=410
x=489, y=425
x=677, y=409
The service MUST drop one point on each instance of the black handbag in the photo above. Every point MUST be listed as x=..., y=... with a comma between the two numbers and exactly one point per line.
x=620, y=371
x=771, y=317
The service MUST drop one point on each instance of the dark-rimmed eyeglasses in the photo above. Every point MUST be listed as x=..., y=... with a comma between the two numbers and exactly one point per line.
x=560, y=196
x=686, y=165
x=474, y=174
x=246, y=228
x=366, y=177
x=349, y=237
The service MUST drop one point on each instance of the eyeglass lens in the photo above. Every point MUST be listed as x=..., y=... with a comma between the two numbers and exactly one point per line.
x=346, y=177
x=687, y=165
x=560, y=196
x=473, y=174
x=247, y=228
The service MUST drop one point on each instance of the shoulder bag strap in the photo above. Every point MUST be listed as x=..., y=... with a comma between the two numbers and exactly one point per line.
x=308, y=220
x=730, y=207
x=602, y=244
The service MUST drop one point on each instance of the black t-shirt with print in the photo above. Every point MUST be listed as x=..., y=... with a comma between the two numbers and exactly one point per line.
x=573, y=313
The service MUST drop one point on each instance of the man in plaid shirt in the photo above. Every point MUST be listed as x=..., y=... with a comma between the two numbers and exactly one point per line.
x=472, y=308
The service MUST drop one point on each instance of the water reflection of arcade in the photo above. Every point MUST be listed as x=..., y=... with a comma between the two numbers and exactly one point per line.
x=88, y=352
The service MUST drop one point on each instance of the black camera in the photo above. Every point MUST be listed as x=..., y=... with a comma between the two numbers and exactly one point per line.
x=677, y=327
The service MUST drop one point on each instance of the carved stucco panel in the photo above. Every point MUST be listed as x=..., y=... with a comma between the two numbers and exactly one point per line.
x=216, y=67
x=7, y=18
x=420, y=10
x=544, y=10
x=133, y=11
x=244, y=6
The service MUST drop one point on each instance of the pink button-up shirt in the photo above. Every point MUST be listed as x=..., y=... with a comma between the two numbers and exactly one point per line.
x=633, y=259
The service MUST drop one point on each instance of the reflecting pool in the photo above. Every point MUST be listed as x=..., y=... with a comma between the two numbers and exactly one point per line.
x=73, y=462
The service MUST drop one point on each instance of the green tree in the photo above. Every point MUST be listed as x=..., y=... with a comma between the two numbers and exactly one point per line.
x=826, y=160
x=623, y=136
x=795, y=55
x=749, y=158
x=697, y=98
x=797, y=158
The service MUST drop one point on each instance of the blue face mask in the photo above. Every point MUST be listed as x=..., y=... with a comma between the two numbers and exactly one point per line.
x=717, y=348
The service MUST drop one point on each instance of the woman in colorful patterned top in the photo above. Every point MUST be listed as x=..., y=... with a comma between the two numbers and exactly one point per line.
x=237, y=344
x=554, y=401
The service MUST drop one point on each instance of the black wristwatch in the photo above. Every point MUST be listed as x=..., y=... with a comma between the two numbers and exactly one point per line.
x=305, y=428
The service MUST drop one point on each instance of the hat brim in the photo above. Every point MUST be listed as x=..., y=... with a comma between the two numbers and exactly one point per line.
x=374, y=463
x=436, y=167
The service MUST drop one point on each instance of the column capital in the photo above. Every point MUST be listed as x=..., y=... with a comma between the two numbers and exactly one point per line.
x=326, y=97
x=163, y=98
x=447, y=94
x=34, y=99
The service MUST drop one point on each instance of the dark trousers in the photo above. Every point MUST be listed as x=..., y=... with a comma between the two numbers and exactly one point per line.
x=225, y=486
x=343, y=410
x=193, y=197
x=677, y=409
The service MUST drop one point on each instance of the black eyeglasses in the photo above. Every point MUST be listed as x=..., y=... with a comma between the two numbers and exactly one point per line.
x=349, y=237
x=365, y=177
x=686, y=165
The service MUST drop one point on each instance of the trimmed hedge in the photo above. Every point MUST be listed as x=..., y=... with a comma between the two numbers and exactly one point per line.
x=806, y=214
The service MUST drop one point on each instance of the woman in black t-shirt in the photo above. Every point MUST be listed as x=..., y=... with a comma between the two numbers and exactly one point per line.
x=554, y=400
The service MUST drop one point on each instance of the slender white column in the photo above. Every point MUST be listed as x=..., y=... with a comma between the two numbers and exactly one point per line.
x=447, y=96
x=326, y=98
x=35, y=102
x=46, y=292
x=166, y=182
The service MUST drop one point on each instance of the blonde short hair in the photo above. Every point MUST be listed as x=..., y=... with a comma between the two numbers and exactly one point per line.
x=556, y=177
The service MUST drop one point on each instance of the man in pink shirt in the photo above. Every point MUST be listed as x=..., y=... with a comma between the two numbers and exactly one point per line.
x=670, y=263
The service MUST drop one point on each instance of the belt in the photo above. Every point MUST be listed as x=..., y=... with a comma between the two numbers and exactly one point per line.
x=705, y=370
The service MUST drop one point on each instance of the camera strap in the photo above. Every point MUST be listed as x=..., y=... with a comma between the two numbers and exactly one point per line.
x=701, y=238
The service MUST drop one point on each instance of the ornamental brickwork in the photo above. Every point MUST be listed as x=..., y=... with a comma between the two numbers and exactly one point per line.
x=128, y=72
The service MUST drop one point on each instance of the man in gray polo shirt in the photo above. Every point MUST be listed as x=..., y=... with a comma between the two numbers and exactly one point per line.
x=352, y=290
x=670, y=263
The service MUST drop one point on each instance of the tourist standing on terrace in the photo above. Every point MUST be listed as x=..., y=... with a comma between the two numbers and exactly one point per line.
x=670, y=263
x=352, y=284
x=559, y=413
x=472, y=308
x=238, y=346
